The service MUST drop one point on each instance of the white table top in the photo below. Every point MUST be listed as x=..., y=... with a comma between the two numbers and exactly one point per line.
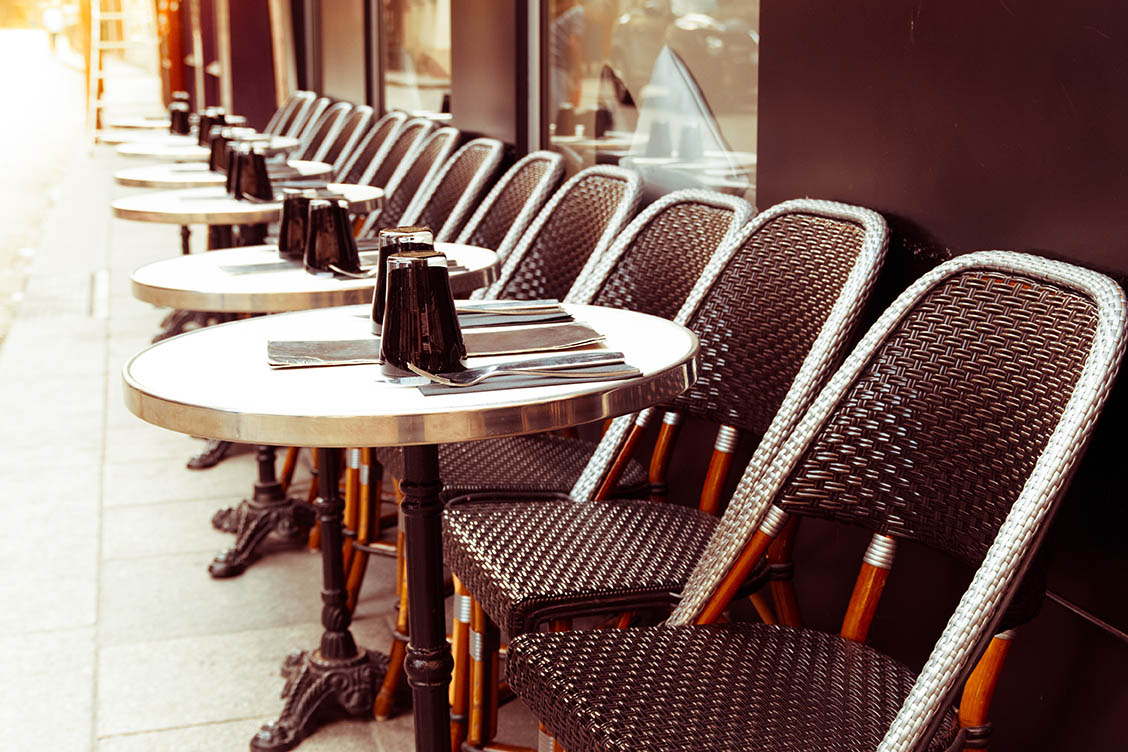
x=199, y=282
x=197, y=175
x=216, y=382
x=191, y=151
x=154, y=137
x=154, y=122
x=214, y=206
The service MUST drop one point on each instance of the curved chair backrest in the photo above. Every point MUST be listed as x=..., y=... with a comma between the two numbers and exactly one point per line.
x=444, y=203
x=366, y=157
x=779, y=301
x=655, y=261
x=413, y=175
x=511, y=204
x=400, y=147
x=286, y=113
x=353, y=128
x=323, y=131
x=311, y=118
x=577, y=225
x=956, y=422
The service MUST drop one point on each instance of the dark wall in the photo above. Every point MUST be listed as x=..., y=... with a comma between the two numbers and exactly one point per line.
x=252, y=61
x=974, y=125
x=989, y=124
x=485, y=50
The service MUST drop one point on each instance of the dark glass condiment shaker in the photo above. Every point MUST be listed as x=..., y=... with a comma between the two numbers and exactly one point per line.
x=220, y=137
x=330, y=246
x=294, y=227
x=420, y=320
x=234, y=160
x=254, y=180
x=395, y=240
x=178, y=110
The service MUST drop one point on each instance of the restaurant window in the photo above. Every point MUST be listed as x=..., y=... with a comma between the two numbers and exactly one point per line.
x=416, y=35
x=665, y=87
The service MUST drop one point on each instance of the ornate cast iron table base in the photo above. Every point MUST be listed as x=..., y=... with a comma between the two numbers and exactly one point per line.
x=316, y=686
x=267, y=511
x=211, y=455
x=338, y=674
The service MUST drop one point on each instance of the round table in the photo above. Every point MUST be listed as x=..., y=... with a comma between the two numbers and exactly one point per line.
x=215, y=206
x=216, y=382
x=227, y=281
x=154, y=122
x=191, y=151
x=197, y=175
x=116, y=138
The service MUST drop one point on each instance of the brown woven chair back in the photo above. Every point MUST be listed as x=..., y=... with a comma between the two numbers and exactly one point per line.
x=351, y=131
x=362, y=163
x=936, y=438
x=423, y=166
x=449, y=199
x=405, y=140
x=666, y=249
x=763, y=314
x=531, y=180
x=591, y=209
x=326, y=125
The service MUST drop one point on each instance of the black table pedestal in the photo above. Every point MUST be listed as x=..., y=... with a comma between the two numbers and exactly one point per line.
x=428, y=663
x=267, y=511
x=338, y=672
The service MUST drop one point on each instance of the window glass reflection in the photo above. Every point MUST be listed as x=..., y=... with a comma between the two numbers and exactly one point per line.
x=667, y=87
x=417, y=55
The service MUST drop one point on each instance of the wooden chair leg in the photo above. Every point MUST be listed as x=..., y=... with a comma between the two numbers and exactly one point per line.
x=622, y=459
x=315, y=532
x=483, y=645
x=763, y=607
x=723, y=449
x=368, y=526
x=289, y=464
x=352, y=502
x=460, y=677
x=783, y=591
x=385, y=700
x=660, y=459
x=867, y=588
x=980, y=688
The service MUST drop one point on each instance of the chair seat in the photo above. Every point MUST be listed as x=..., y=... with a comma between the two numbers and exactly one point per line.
x=738, y=686
x=529, y=560
x=541, y=462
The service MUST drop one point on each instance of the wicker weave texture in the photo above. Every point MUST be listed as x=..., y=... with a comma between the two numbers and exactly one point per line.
x=764, y=313
x=509, y=203
x=463, y=176
x=405, y=139
x=567, y=239
x=436, y=146
x=327, y=125
x=369, y=148
x=358, y=118
x=665, y=259
x=539, y=462
x=519, y=557
x=741, y=687
x=937, y=438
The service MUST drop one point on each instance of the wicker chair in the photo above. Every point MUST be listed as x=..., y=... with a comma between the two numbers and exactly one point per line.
x=771, y=328
x=415, y=172
x=353, y=128
x=956, y=423
x=322, y=132
x=575, y=227
x=371, y=151
x=510, y=206
x=303, y=130
x=444, y=203
x=282, y=118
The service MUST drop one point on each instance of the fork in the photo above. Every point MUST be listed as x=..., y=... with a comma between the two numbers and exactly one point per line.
x=585, y=372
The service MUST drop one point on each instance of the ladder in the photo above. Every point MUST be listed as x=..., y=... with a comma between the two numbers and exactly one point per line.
x=108, y=33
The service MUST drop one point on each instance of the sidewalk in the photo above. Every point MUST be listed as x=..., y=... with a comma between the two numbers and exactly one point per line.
x=115, y=638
